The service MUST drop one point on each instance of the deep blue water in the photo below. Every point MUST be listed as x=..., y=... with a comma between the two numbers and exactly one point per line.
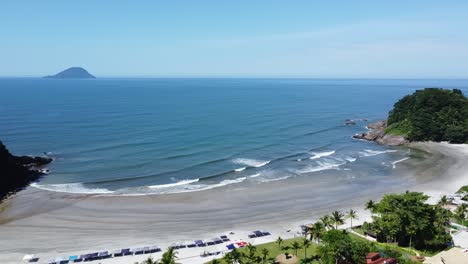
x=171, y=135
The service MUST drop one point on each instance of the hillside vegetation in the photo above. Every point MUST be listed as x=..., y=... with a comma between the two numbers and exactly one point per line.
x=432, y=114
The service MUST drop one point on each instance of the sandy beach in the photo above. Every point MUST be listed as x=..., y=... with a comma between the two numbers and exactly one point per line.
x=53, y=224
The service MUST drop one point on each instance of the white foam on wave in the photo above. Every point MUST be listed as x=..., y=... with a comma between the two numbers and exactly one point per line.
x=319, y=155
x=368, y=152
x=240, y=169
x=169, y=185
x=325, y=165
x=200, y=187
x=350, y=159
x=226, y=182
x=255, y=175
x=398, y=161
x=78, y=188
x=251, y=162
x=264, y=180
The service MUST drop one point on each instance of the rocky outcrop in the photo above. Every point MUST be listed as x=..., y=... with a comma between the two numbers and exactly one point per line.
x=18, y=172
x=377, y=133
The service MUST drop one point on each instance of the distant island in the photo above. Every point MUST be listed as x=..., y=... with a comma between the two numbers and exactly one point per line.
x=72, y=73
x=18, y=171
x=432, y=114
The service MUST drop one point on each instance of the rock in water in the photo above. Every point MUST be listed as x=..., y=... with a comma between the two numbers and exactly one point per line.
x=377, y=133
x=72, y=73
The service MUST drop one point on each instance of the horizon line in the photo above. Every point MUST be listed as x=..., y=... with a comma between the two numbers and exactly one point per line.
x=240, y=77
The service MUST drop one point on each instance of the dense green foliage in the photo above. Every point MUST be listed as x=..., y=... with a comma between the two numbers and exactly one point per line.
x=463, y=190
x=461, y=214
x=338, y=247
x=404, y=224
x=409, y=221
x=266, y=253
x=431, y=114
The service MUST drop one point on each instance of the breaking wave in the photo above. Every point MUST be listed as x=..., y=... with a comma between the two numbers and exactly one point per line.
x=198, y=187
x=78, y=188
x=251, y=162
x=320, y=161
x=182, y=182
x=398, y=161
x=319, y=155
x=369, y=153
x=320, y=167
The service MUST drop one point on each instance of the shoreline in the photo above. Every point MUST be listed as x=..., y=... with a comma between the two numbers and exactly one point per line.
x=96, y=222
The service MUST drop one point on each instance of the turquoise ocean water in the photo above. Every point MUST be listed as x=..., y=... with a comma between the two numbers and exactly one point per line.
x=136, y=136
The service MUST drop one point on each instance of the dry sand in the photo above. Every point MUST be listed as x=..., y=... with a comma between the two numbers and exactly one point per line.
x=51, y=224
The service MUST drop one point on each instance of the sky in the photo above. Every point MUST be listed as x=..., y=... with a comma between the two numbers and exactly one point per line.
x=317, y=39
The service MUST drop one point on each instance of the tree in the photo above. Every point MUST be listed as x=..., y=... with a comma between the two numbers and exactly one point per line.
x=149, y=260
x=351, y=214
x=408, y=220
x=337, y=218
x=296, y=246
x=431, y=114
x=236, y=255
x=305, y=245
x=370, y=205
x=316, y=231
x=169, y=257
x=215, y=261
x=359, y=250
x=443, y=200
x=338, y=247
x=265, y=254
x=251, y=250
x=229, y=258
x=279, y=241
x=326, y=221
x=461, y=213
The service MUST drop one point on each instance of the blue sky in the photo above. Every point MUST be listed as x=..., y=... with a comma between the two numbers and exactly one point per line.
x=322, y=39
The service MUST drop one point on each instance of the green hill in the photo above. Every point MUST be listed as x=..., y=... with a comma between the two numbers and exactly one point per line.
x=432, y=114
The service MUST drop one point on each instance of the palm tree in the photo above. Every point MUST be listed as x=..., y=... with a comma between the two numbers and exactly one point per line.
x=337, y=218
x=215, y=261
x=305, y=245
x=250, y=254
x=443, y=200
x=318, y=229
x=265, y=253
x=296, y=246
x=149, y=261
x=169, y=256
x=279, y=241
x=326, y=221
x=351, y=214
x=370, y=205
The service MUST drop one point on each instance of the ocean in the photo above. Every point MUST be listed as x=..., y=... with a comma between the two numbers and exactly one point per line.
x=157, y=136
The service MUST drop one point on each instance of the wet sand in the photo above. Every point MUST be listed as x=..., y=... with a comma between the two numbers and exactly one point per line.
x=52, y=224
